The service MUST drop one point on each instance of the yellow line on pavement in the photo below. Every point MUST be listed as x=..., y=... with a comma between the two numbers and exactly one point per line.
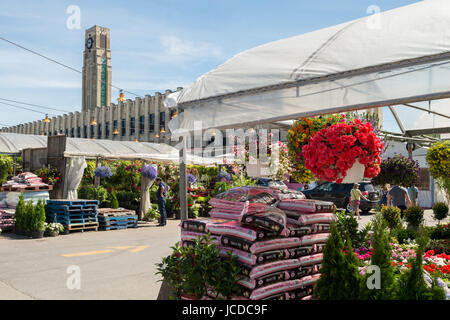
x=122, y=248
x=89, y=253
x=139, y=248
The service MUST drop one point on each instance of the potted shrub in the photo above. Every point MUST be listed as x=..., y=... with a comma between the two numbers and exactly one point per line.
x=414, y=217
x=28, y=218
x=440, y=211
x=391, y=215
x=38, y=220
x=19, y=216
x=53, y=229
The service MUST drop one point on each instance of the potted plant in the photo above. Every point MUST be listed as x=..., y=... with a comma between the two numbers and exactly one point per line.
x=19, y=216
x=336, y=151
x=440, y=211
x=53, y=229
x=38, y=220
x=414, y=217
x=391, y=215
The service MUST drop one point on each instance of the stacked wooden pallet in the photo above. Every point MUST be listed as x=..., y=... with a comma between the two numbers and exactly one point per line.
x=74, y=215
x=7, y=220
x=114, y=219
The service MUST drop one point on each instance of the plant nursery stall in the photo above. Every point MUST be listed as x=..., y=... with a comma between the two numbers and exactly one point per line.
x=400, y=59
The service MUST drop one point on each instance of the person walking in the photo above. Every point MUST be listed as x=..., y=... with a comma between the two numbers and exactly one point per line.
x=161, y=196
x=355, y=197
x=399, y=197
x=384, y=194
x=417, y=194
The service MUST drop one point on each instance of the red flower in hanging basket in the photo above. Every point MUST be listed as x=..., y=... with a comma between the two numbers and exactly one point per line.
x=332, y=151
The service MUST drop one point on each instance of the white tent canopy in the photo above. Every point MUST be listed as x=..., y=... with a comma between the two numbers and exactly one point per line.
x=400, y=56
x=14, y=143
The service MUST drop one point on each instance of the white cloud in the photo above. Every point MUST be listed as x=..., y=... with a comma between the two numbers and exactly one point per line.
x=177, y=47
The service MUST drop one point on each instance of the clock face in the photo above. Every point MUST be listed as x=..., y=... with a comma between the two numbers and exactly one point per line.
x=89, y=43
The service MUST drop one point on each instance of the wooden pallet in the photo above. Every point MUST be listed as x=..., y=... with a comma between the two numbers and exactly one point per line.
x=81, y=226
x=108, y=212
x=79, y=202
x=25, y=188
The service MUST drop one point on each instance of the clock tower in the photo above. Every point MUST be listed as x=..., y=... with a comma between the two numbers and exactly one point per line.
x=96, y=68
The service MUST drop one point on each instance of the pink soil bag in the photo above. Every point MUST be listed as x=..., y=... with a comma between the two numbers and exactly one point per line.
x=218, y=213
x=253, y=259
x=285, y=286
x=272, y=220
x=233, y=228
x=307, y=219
x=273, y=267
x=200, y=224
x=192, y=236
x=311, y=239
x=306, y=205
x=259, y=246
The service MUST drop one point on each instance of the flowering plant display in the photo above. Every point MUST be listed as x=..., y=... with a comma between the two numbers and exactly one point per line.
x=299, y=135
x=437, y=265
x=224, y=176
x=49, y=176
x=53, y=227
x=398, y=170
x=190, y=178
x=149, y=172
x=438, y=158
x=103, y=172
x=335, y=149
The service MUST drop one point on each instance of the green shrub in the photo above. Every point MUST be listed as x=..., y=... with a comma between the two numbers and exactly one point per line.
x=90, y=192
x=402, y=234
x=20, y=213
x=221, y=187
x=438, y=232
x=114, y=203
x=381, y=257
x=348, y=229
x=153, y=212
x=192, y=270
x=414, y=216
x=391, y=215
x=339, y=273
x=129, y=199
x=39, y=217
x=440, y=211
x=411, y=283
x=6, y=166
x=29, y=216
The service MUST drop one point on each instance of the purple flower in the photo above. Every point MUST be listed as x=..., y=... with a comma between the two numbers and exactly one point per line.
x=103, y=172
x=190, y=178
x=224, y=176
x=149, y=172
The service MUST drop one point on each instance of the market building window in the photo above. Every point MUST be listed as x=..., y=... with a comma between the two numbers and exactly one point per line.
x=152, y=122
x=141, y=124
x=79, y=132
x=85, y=132
x=424, y=179
x=132, y=126
x=162, y=119
x=107, y=129
x=99, y=130
x=124, y=127
x=72, y=132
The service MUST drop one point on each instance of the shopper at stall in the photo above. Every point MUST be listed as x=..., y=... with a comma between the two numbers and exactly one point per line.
x=356, y=196
x=161, y=196
x=398, y=197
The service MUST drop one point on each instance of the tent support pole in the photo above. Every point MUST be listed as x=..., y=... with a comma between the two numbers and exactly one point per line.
x=413, y=189
x=97, y=179
x=183, y=181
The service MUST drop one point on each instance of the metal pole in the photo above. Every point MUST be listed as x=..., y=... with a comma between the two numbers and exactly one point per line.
x=413, y=190
x=97, y=179
x=183, y=181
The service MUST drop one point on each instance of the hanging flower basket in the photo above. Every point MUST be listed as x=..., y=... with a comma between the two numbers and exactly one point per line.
x=103, y=172
x=149, y=172
x=340, y=151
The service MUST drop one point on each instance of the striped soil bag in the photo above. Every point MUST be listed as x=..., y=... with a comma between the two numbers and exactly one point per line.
x=272, y=219
x=259, y=246
x=245, y=199
x=191, y=236
x=306, y=205
x=283, y=287
x=295, y=273
x=308, y=219
x=218, y=213
x=233, y=228
x=272, y=267
x=311, y=239
x=200, y=224
x=310, y=260
x=253, y=259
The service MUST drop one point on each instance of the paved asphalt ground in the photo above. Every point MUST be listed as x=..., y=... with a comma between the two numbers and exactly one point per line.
x=113, y=264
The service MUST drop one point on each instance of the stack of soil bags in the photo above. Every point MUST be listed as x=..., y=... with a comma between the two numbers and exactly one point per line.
x=280, y=254
x=25, y=179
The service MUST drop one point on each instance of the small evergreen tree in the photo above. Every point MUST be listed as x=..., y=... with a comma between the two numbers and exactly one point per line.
x=412, y=284
x=381, y=257
x=29, y=217
x=19, y=213
x=39, y=216
x=339, y=278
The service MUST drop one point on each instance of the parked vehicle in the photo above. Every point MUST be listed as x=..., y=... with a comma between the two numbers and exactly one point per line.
x=280, y=185
x=339, y=194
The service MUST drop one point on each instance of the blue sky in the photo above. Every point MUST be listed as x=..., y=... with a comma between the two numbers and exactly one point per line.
x=155, y=45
